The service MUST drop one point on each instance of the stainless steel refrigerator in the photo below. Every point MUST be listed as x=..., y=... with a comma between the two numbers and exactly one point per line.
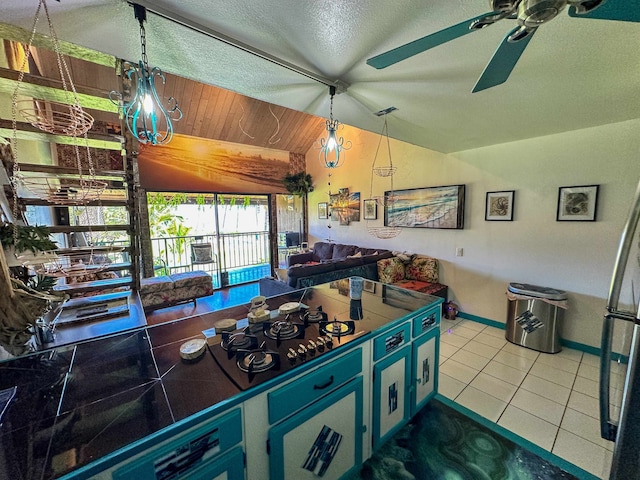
x=620, y=355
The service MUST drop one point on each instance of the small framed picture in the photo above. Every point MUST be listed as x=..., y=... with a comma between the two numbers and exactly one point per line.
x=369, y=286
x=323, y=214
x=499, y=206
x=370, y=209
x=577, y=204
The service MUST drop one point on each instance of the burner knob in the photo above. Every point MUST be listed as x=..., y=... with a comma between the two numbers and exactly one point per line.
x=328, y=341
x=302, y=351
x=312, y=347
x=320, y=344
x=292, y=355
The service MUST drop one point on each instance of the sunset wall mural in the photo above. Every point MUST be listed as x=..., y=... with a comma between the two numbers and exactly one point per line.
x=191, y=164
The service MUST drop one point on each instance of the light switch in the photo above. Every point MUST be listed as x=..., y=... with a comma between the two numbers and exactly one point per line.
x=459, y=252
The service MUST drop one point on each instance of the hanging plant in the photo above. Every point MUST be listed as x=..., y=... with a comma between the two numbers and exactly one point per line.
x=299, y=183
x=29, y=238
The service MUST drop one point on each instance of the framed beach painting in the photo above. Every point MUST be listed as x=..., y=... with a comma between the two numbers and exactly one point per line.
x=430, y=207
x=499, y=206
x=370, y=209
x=323, y=211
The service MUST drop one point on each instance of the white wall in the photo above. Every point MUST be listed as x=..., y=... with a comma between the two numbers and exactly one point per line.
x=534, y=248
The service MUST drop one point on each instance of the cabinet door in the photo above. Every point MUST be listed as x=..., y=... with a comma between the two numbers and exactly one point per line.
x=323, y=440
x=229, y=466
x=391, y=382
x=425, y=369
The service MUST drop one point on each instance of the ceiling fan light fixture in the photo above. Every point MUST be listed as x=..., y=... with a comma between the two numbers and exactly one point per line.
x=532, y=13
x=331, y=150
x=146, y=118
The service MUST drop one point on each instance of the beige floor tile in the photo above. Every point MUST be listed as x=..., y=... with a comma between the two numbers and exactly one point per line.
x=583, y=453
x=554, y=375
x=478, y=327
x=560, y=363
x=521, y=363
x=493, y=386
x=570, y=354
x=453, y=339
x=464, y=332
x=481, y=349
x=546, y=389
x=481, y=403
x=470, y=359
x=496, y=332
x=490, y=340
x=447, y=324
x=584, y=426
x=446, y=349
x=585, y=404
x=450, y=387
x=458, y=371
x=593, y=360
x=541, y=407
x=520, y=351
x=528, y=426
x=505, y=373
x=587, y=386
x=589, y=371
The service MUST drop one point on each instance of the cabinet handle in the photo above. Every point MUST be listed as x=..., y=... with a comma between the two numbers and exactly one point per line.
x=325, y=385
x=418, y=380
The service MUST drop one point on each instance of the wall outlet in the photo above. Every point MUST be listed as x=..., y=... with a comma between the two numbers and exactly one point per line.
x=459, y=251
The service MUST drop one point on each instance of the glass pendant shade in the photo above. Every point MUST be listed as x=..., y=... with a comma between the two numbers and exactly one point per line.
x=332, y=148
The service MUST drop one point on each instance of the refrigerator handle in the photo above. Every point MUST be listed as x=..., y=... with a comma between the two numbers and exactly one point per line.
x=608, y=429
x=626, y=242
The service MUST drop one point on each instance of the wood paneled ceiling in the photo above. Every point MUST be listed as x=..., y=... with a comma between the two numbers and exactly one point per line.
x=208, y=111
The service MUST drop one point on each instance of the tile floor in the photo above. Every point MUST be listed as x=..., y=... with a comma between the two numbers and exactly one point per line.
x=549, y=399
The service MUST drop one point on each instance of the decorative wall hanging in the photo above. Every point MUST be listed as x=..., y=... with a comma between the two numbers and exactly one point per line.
x=499, y=206
x=431, y=207
x=577, y=204
x=345, y=207
x=323, y=211
x=370, y=209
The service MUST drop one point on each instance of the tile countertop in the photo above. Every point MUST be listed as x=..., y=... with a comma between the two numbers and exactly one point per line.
x=79, y=402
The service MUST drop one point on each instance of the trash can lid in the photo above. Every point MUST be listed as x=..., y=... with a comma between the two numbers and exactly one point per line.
x=537, y=291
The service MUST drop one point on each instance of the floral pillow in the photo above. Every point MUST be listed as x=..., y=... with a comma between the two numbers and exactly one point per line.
x=423, y=268
x=390, y=270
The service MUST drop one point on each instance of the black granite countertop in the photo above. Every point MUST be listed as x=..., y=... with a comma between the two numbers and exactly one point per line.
x=73, y=404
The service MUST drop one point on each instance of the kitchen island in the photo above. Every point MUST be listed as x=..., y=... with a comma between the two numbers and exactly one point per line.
x=128, y=406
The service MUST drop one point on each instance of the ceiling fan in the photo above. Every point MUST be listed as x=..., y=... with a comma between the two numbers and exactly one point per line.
x=530, y=15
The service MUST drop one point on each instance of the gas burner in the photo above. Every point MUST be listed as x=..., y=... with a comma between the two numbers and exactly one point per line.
x=337, y=328
x=314, y=315
x=283, y=330
x=257, y=360
x=232, y=342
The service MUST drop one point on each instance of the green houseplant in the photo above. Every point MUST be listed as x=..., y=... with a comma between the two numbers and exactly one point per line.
x=27, y=239
x=299, y=183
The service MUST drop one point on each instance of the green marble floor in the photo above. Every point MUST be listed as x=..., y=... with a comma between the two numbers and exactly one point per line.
x=442, y=443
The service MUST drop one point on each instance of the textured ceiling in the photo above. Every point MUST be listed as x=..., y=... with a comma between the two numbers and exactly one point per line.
x=575, y=73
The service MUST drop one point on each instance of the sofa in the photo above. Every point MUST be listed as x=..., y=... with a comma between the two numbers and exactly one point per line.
x=327, y=262
x=414, y=272
x=168, y=290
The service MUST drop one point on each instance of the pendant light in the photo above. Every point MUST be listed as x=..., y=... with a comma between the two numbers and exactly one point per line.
x=331, y=149
x=146, y=118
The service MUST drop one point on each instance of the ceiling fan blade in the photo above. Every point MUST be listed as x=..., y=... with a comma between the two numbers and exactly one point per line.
x=621, y=10
x=503, y=61
x=425, y=43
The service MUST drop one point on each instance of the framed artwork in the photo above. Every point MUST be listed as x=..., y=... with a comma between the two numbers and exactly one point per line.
x=430, y=207
x=345, y=207
x=577, y=204
x=499, y=206
x=323, y=212
x=369, y=286
x=370, y=209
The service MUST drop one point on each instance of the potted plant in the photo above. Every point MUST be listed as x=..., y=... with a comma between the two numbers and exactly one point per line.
x=19, y=240
x=299, y=183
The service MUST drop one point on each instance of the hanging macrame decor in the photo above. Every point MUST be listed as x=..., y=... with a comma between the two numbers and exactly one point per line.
x=384, y=201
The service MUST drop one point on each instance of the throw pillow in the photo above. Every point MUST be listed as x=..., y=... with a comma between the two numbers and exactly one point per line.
x=423, y=268
x=390, y=270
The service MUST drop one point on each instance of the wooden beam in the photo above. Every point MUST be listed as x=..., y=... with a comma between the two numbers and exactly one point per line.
x=17, y=34
x=26, y=131
x=52, y=90
x=59, y=170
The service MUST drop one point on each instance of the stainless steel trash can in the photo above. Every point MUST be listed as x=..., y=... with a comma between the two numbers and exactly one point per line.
x=532, y=321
